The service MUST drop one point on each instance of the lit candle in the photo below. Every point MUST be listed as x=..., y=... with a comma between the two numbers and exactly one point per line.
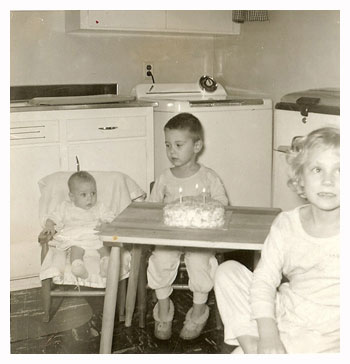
x=180, y=193
x=197, y=188
x=203, y=194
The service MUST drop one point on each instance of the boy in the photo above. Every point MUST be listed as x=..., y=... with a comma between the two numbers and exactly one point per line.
x=184, y=142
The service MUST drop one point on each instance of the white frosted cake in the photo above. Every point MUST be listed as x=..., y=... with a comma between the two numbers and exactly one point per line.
x=194, y=213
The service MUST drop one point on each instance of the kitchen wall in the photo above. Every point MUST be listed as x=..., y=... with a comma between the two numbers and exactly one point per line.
x=293, y=51
x=42, y=53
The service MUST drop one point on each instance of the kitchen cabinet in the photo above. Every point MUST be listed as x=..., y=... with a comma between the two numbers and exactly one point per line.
x=28, y=165
x=34, y=153
x=117, y=20
x=197, y=22
x=128, y=156
x=111, y=142
x=43, y=142
x=202, y=21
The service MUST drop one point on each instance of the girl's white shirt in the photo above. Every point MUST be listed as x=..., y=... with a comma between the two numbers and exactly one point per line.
x=311, y=297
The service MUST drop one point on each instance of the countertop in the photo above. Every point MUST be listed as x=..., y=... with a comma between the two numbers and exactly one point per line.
x=25, y=107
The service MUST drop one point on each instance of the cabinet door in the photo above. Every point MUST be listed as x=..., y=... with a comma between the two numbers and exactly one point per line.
x=128, y=156
x=29, y=163
x=209, y=22
x=125, y=19
x=201, y=21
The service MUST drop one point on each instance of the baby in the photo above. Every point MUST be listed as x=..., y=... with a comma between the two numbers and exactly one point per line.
x=72, y=224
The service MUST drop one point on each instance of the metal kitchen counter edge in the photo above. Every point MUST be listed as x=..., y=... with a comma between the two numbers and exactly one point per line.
x=116, y=105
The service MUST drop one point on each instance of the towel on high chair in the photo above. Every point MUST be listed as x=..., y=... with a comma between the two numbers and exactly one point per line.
x=116, y=191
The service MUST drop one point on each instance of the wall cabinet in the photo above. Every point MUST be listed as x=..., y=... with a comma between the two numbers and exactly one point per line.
x=202, y=21
x=43, y=142
x=199, y=22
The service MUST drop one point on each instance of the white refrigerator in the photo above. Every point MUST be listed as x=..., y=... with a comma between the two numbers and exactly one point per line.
x=298, y=114
x=237, y=136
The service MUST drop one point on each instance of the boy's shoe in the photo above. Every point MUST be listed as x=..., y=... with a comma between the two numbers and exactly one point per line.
x=192, y=329
x=162, y=329
x=79, y=270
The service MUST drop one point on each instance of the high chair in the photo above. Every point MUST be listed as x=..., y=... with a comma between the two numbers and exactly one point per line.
x=116, y=190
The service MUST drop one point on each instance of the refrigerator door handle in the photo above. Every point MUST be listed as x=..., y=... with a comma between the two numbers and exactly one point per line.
x=283, y=148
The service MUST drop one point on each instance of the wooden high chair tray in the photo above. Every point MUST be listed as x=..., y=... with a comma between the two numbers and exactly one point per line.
x=142, y=223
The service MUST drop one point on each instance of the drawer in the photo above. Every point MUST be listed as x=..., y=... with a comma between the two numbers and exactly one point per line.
x=30, y=132
x=106, y=128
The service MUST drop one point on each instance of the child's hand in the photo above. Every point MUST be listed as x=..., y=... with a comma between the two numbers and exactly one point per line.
x=269, y=339
x=271, y=345
x=46, y=235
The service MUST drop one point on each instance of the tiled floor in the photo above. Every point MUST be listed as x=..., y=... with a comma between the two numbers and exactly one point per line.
x=133, y=340
x=85, y=339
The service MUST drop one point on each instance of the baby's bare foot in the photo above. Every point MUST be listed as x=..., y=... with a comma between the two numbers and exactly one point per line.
x=79, y=270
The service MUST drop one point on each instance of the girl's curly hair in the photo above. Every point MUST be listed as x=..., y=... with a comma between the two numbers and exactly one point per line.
x=297, y=156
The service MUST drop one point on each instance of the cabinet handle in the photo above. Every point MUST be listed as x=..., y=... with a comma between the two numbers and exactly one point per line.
x=108, y=127
x=27, y=127
x=13, y=138
x=25, y=132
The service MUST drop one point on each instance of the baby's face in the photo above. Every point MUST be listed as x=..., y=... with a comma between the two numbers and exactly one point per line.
x=83, y=194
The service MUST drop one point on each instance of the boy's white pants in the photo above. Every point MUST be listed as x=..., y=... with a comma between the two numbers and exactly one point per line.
x=232, y=290
x=163, y=265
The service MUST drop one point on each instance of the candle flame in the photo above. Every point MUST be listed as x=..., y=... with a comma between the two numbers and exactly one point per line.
x=203, y=189
x=197, y=186
x=180, y=189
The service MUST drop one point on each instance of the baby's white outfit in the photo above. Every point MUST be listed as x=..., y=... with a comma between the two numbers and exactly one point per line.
x=306, y=308
x=201, y=264
x=76, y=226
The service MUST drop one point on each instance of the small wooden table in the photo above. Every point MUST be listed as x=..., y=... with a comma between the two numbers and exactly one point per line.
x=142, y=223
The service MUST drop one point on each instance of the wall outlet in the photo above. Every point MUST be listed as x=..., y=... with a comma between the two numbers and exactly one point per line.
x=147, y=66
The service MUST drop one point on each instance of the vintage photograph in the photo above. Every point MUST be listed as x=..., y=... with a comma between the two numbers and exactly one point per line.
x=174, y=181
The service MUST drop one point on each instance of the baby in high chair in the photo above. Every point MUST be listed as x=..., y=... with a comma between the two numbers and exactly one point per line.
x=72, y=225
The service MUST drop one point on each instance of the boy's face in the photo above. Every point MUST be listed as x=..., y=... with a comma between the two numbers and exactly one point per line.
x=83, y=194
x=320, y=178
x=180, y=147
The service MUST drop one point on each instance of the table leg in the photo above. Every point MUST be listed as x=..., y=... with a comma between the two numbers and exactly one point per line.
x=142, y=287
x=110, y=301
x=132, y=284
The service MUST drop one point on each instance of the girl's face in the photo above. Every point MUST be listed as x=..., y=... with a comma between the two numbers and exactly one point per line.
x=180, y=147
x=320, y=178
x=83, y=194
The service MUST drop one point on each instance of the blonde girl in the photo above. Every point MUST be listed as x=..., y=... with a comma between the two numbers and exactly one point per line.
x=260, y=314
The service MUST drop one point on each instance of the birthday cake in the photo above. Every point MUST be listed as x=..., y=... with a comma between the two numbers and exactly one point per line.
x=193, y=212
